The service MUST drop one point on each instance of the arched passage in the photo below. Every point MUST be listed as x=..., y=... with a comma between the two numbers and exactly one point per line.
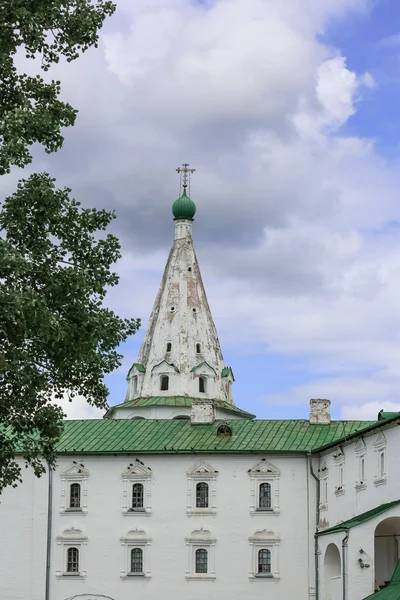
x=332, y=573
x=387, y=541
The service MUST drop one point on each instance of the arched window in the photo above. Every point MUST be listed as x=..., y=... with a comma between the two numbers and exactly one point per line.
x=201, y=560
x=136, y=560
x=264, y=561
x=75, y=495
x=164, y=383
x=382, y=464
x=137, y=495
x=198, y=348
x=265, y=495
x=169, y=347
x=202, y=495
x=202, y=385
x=72, y=560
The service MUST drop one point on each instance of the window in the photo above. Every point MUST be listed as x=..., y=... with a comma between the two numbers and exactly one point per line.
x=339, y=460
x=202, y=385
x=72, y=560
x=323, y=478
x=74, y=489
x=136, y=560
x=134, y=384
x=164, y=383
x=201, y=489
x=264, y=491
x=169, y=348
x=137, y=496
x=75, y=495
x=202, y=495
x=198, y=348
x=264, y=562
x=264, y=555
x=136, y=554
x=380, y=449
x=382, y=464
x=71, y=548
x=136, y=481
x=362, y=469
x=265, y=496
x=360, y=449
x=201, y=560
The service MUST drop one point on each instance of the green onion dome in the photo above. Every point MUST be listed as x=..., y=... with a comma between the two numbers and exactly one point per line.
x=184, y=207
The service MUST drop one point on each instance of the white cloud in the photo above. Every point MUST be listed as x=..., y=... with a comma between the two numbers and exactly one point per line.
x=78, y=408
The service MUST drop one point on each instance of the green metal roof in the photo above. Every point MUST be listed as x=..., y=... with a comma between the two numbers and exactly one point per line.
x=387, y=415
x=184, y=207
x=165, y=435
x=177, y=401
x=139, y=367
x=370, y=514
x=226, y=371
x=392, y=591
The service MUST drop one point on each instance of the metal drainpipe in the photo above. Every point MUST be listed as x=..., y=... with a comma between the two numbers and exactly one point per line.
x=49, y=523
x=318, y=494
x=344, y=557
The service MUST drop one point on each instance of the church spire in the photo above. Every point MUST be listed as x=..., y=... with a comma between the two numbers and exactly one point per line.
x=181, y=354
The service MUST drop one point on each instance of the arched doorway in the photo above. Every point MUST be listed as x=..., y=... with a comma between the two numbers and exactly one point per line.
x=332, y=573
x=387, y=541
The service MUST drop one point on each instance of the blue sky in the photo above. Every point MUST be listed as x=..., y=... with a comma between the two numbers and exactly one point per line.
x=288, y=112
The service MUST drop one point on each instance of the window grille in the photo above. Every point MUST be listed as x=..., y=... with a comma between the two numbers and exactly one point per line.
x=264, y=561
x=136, y=560
x=201, y=560
x=202, y=495
x=202, y=385
x=265, y=495
x=73, y=560
x=137, y=495
x=75, y=496
x=164, y=383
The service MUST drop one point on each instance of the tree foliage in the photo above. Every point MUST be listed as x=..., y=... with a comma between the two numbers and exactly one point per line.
x=56, y=338
x=30, y=108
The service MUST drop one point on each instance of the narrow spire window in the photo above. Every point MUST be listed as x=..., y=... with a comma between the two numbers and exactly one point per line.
x=75, y=495
x=137, y=495
x=73, y=560
x=136, y=560
x=202, y=385
x=164, y=383
x=202, y=495
x=169, y=347
x=201, y=560
x=198, y=348
x=265, y=495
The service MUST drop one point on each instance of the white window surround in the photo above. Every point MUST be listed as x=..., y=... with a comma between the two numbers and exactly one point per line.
x=71, y=538
x=361, y=483
x=339, y=460
x=74, y=474
x=135, y=538
x=137, y=473
x=200, y=539
x=379, y=449
x=268, y=540
x=323, y=478
x=202, y=471
x=264, y=472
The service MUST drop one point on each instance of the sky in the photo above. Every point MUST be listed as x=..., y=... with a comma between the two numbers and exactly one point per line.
x=289, y=113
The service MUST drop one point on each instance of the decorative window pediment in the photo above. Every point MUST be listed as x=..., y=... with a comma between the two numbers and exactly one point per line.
x=264, y=493
x=201, y=555
x=339, y=456
x=165, y=367
x=136, y=542
x=204, y=369
x=201, y=501
x=200, y=535
x=264, y=556
x=323, y=470
x=360, y=446
x=264, y=536
x=74, y=489
x=70, y=548
x=380, y=441
x=136, y=481
x=136, y=369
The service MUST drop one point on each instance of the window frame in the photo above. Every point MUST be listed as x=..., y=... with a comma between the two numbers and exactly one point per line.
x=264, y=472
x=201, y=496
x=323, y=486
x=135, y=539
x=162, y=379
x=200, y=539
x=340, y=460
x=361, y=482
x=264, y=540
x=137, y=473
x=71, y=538
x=74, y=474
x=201, y=472
x=380, y=450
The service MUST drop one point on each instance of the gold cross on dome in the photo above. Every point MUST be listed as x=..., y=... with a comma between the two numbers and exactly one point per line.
x=185, y=174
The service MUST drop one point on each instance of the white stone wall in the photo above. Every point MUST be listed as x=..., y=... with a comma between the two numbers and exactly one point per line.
x=166, y=412
x=168, y=523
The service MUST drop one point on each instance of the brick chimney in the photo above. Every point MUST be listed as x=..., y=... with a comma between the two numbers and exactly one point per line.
x=203, y=412
x=320, y=411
